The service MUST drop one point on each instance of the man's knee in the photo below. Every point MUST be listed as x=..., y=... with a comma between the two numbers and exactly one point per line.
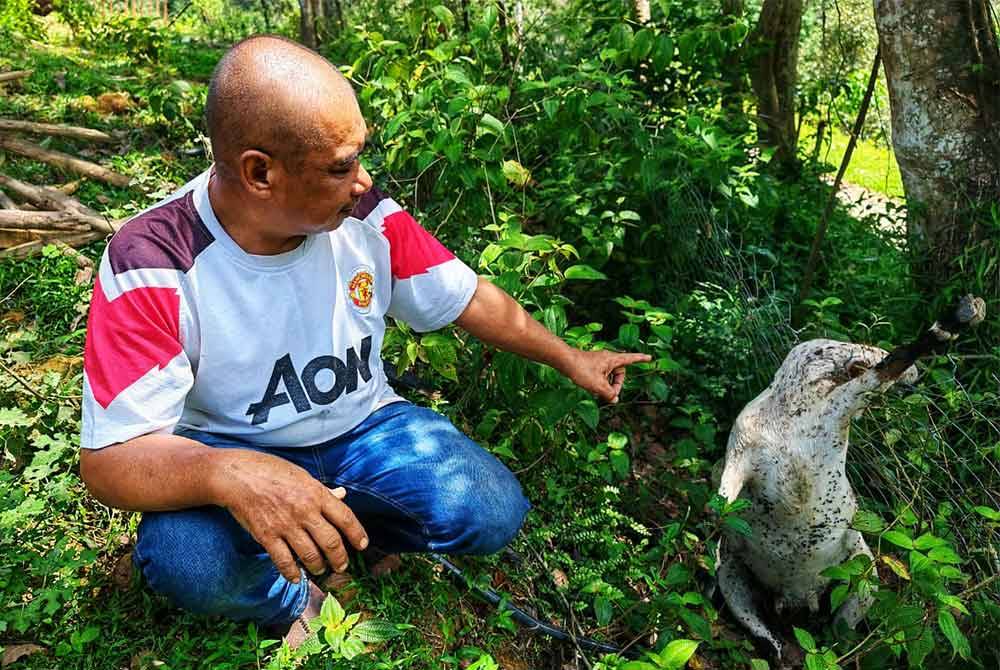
x=479, y=515
x=204, y=562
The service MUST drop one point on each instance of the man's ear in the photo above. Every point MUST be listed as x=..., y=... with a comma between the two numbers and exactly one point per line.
x=257, y=173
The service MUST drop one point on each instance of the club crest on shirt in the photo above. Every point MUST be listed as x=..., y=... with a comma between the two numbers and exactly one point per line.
x=361, y=288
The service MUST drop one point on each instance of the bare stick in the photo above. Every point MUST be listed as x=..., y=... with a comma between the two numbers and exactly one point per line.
x=35, y=246
x=6, y=202
x=859, y=122
x=82, y=261
x=48, y=198
x=57, y=129
x=14, y=74
x=19, y=219
x=64, y=161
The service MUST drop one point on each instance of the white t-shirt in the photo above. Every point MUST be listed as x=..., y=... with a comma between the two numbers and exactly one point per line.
x=187, y=330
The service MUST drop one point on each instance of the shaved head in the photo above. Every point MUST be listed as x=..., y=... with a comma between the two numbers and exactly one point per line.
x=272, y=95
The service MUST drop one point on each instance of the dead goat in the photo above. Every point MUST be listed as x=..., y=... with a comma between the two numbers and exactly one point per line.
x=787, y=455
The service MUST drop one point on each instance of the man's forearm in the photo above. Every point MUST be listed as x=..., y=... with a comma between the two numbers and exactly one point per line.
x=498, y=320
x=155, y=473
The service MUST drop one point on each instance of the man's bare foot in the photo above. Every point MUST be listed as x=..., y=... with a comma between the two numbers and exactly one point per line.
x=300, y=630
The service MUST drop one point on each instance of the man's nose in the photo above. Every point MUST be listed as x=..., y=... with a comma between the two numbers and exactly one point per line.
x=362, y=183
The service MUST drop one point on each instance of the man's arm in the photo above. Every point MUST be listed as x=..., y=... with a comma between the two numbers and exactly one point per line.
x=498, y=320
x=280, y=504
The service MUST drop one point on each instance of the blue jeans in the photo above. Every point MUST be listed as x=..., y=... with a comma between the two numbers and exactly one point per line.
x=413, y=480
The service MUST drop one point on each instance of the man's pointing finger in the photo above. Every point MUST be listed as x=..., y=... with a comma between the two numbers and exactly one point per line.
x=631, y=359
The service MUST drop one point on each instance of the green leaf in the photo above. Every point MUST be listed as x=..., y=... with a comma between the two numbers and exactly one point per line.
x=805, y=639
x=583, y=272
x=331, y=614
x=953, y=601
x=617, y=440
x=589, y=412
x=896, y=566
x=492, y=124
x=516, y=173
x=628, y=335
x=919, y=647
x=352, y=647
x=944, y=555
x=867, y=522
x=642, y=44
x=372, y=631
x=444, y=15
x=898, y=538
x=490, y=16
x=602, y=609
x=839, y=595
x=550, y=106
x=620, y=463
x=928, y=541
x=11, y=417
x=676, y=654
x=738, y=525
x=663, y=53
x=948, y=626
x=987, y=512
x=759, y=664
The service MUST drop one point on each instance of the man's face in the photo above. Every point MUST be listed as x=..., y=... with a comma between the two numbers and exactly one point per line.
x=321, y=192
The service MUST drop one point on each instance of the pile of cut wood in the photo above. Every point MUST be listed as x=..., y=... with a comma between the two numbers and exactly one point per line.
x=33, y=216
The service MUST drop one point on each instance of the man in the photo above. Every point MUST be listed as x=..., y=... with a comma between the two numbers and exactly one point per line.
x=233, y=386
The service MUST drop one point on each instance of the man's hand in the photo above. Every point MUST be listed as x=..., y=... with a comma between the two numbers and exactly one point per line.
x=496, y=319
x=601, y=372
x=288, y=512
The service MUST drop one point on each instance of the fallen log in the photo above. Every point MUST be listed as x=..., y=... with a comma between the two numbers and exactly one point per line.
x=64, y=161
x=6, y=202
x=14, y=74
x=35, y=246
x=20, y=219
x=56, y=129
x=70, y=187
x=48, y=198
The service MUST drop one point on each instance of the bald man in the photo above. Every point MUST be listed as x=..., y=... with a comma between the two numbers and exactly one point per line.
x=234, y=390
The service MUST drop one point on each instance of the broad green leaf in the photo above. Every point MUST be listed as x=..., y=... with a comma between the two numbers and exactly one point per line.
x=953, y=601
x=444, y=15
x=628, y=335
x=944, y=555
x=898, y=538
x=805, y=639
x=896, y=566
x=759, y=664
x=492, y=124
x=583, y=272
x=14, y=416
x=839, y=595
x=331, y=613
x=738, y=525
x=676, y=654
x=987, y=512
x=516, y=173
x=928, y=541
x=620, y=463
x=919, y=647
x=602, y=609
x=617, y=440
x=372, y=631
x=352, y=647
x=948, y=626
x=867, y=522
x=589, y=412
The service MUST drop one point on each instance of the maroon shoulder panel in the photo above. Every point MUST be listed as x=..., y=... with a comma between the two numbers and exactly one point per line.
x=169, y=237
x=368, y=202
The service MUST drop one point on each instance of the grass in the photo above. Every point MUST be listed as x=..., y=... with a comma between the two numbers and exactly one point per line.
x=873, y=164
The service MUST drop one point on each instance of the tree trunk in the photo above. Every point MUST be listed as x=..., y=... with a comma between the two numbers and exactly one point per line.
x=942, y=65
x=641, y=10
x=774, y=77
x=307, y=24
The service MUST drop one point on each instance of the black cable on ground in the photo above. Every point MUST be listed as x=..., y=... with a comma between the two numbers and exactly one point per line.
x=531, y=623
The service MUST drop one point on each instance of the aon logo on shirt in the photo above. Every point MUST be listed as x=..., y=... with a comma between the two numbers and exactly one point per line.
x=301, y=389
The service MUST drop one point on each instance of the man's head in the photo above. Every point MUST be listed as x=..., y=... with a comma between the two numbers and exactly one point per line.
x=286, y=132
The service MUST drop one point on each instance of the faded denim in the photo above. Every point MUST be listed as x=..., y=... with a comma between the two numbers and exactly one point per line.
x=414, y=481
